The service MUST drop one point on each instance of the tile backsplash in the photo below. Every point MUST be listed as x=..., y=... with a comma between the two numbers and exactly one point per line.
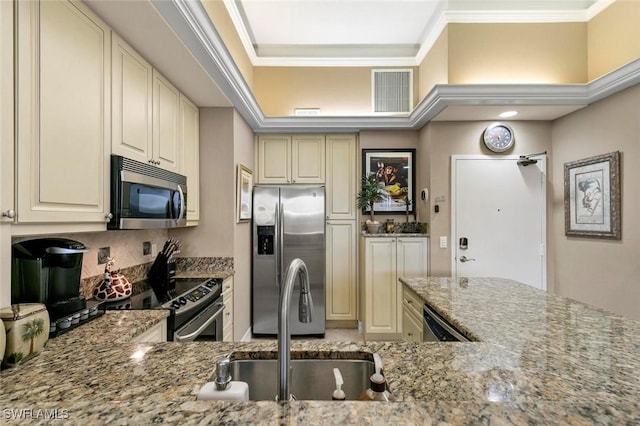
x=125, y=248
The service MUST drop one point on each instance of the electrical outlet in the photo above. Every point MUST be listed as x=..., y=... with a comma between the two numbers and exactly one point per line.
x=443, y=242
x=103, y=255
x=146, y=248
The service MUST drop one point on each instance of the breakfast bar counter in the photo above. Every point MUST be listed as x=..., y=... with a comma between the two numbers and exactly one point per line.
x=540, y=359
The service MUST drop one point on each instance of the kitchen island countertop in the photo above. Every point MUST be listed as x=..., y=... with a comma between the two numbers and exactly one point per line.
x=538, y=373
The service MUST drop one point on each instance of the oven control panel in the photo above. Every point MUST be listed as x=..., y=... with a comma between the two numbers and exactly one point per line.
x=210, y=289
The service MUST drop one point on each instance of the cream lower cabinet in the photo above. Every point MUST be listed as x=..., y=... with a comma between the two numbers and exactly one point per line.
x=190, y=141
x=291, y=159
x=341, y=264
x=382, y=261
x=157, y=333
x=412, y=323
x=227, y=299
x=63, y=80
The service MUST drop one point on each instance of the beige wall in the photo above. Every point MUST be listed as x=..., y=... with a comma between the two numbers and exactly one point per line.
x=434, y=69
x=444, y=139
x=400, y=139
x=336, y=91
x=518, y=53
x=603, y=273
x=243, y=148
x=213, y=237
x=224, y=25
x=614, y=37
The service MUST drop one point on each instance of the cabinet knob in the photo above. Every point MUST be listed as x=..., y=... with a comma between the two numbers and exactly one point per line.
x=157, y=163
x=109, y=216
x=151, y=161
x=9, y=213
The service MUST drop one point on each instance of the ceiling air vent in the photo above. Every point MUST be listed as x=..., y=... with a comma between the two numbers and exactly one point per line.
x=392, y=90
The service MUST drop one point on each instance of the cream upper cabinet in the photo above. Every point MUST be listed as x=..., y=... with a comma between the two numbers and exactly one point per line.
x=7, y=203
x=383, y=261
x=291, y=159
x=146, y=111
x=63, y=113
x=341, y=264
x=274, y=159
x=132, y=109
x=190, y=141
x=166, y=106
x=307, y=159
x=341, y=176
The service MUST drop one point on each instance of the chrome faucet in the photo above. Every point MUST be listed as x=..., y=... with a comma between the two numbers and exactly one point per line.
x=297, y=268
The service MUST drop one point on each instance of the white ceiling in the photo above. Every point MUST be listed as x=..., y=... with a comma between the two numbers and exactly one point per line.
x=376, y=32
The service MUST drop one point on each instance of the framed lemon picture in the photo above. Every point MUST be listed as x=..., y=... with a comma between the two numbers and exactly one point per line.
x=396, y=173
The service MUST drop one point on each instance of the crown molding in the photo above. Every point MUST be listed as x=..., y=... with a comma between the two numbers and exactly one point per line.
x=191, y=23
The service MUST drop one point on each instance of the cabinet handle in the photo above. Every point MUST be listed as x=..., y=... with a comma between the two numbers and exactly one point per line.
x=9, y=213
x=109, y=216
x=409, y=301
x=150, y=161
x=157, y=163
x=409, y=334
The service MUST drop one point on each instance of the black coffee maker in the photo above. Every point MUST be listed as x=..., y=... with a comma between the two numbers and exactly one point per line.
x=47, y=270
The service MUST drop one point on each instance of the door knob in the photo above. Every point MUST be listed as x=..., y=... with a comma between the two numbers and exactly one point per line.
x=466, y=259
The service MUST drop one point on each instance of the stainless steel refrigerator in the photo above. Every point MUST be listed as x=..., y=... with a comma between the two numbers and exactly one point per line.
x=288, y=223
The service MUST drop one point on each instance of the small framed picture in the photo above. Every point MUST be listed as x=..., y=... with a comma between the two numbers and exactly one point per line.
x=243, y=193
x=396, y=173
x=592, y=197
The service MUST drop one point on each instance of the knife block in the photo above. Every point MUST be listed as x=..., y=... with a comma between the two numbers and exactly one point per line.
x=162, y=277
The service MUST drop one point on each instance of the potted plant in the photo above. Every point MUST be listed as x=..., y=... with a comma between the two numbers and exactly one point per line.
x=370, y=192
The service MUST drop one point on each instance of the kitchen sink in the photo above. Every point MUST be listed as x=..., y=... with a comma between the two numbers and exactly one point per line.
x=311, y=379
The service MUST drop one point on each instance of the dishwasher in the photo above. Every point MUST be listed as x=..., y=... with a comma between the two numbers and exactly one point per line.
x=437, y=329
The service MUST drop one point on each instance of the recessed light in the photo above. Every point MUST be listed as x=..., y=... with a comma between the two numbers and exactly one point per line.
x=508, y=114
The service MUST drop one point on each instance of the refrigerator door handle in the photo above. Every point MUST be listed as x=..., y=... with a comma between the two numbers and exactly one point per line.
x=280, y=259
x=277, y=244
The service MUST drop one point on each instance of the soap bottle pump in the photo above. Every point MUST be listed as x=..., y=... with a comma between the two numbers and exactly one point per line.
x=377, y=385
x=338, y=394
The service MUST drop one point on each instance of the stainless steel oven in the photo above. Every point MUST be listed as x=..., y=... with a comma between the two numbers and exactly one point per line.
x=206, y=325
x=195, y=307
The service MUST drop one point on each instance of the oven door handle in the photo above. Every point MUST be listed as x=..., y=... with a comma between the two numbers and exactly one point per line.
x=192, y=336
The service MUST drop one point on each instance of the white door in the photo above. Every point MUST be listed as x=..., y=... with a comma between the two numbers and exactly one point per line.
x=499, y=218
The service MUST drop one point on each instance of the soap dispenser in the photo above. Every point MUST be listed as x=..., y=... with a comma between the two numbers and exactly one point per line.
x=377, y=385
x=338, y=394
x=223, y=388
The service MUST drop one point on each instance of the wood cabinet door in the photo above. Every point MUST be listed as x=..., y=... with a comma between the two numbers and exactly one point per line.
x=341, y=176
x=308, y=159
x=274, y=159
x=227, y=299
x=341, y=270
x=190, y=142
x=381, y=295
x=132, y=107
x=166, y=151
x=63, y=113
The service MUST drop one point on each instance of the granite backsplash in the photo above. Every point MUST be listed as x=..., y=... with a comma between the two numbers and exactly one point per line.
x=139, y=272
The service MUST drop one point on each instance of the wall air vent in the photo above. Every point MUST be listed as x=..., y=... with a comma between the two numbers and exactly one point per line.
x=306, y=112
x=392, y=90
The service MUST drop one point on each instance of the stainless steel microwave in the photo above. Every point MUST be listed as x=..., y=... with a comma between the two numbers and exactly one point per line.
x=145, y=196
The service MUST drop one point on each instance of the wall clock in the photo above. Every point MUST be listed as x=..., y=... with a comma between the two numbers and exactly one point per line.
x=498, y=137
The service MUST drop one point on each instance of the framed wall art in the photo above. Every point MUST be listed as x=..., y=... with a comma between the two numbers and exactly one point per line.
x=592, y=197
x=396, y=172
x=243, y=193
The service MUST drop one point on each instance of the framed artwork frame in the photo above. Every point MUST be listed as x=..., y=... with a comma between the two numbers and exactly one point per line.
x=396, y=171
x=592, y=205
x=244, y=188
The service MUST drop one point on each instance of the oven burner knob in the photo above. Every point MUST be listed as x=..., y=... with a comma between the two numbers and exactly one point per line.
x=182, y=300
x=209, y=284
x=175, y=304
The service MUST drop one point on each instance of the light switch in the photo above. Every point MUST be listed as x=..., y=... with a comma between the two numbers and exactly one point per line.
x=443, y=242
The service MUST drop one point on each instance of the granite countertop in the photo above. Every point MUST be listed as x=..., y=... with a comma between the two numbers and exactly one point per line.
x=539, y=359
x=205, y=274
x=392, y=235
